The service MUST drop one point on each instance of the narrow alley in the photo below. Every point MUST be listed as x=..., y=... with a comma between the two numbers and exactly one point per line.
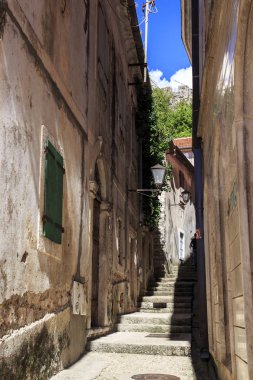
x=126, y=182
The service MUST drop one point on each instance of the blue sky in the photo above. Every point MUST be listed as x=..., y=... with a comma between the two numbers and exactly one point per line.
x=166, y=53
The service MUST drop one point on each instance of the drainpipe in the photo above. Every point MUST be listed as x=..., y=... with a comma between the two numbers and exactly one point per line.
x=198, y=178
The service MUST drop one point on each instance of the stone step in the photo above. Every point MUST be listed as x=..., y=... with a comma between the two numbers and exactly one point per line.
x=166, y=299
x=97, y=332
x=178, y=278
x=166, y=275
x=173, y=281
x=168, y=292
x=171, y=288
x=150, y=318
x=171, y=309
x=141, y=343
x=163, y=305
x=170, y=284
x=149, y=328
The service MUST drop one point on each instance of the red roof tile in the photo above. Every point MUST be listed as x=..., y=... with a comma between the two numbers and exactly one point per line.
x=183, y=142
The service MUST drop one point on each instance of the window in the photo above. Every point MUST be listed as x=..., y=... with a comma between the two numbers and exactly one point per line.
x=189, y=155
x=53, y=194
x=181, y=245
x=181, y=179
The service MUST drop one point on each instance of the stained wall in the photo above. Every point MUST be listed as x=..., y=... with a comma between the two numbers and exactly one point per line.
x=64, y=77
x=227, y=206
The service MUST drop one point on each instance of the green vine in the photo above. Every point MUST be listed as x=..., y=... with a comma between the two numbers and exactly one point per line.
x=158, y=123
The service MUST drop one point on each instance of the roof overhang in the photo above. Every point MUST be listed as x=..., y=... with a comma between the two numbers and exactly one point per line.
x=186, y=26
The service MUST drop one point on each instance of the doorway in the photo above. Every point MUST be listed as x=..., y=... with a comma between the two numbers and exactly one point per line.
x=181, y=245
x=95, y=254
x=95, y=264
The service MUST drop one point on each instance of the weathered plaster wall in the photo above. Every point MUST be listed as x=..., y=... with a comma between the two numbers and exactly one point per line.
x=227, y=189
x=64, y=76
x=36, y=274
x=27, y=104
x=62, y=29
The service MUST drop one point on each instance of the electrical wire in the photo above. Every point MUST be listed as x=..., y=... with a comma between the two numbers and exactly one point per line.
x=154, y=10
x=151, y=9
x=137, y=26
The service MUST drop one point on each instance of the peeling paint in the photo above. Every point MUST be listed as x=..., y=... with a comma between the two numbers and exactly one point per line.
x=19, y=311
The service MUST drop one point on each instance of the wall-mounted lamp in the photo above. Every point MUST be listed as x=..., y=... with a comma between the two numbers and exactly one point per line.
x=186, y=195
x=158, y=172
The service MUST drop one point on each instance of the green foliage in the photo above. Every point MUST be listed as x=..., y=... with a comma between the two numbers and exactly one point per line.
x=168, y=121
x=159, y=122
x=182, y=122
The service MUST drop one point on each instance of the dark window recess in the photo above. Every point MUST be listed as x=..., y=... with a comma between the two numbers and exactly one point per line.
x=181, y=179
x=53, y=196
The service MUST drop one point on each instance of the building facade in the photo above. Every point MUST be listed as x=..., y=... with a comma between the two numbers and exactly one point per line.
x=221, y=50
x=177, y=223
x=72, y=253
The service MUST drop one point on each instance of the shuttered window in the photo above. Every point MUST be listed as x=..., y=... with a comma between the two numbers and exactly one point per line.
x=53, y=197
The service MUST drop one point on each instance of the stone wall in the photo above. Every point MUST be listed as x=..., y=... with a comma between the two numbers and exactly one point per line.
x=64, y=74
x=225, y=127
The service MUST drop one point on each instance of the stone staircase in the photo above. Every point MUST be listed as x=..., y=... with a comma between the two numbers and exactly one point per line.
x=163, y=323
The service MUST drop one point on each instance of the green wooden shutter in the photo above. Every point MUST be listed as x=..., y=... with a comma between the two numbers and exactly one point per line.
x=53, y=197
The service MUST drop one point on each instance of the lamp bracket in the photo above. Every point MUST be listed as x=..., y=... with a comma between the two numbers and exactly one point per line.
x=181, y=204
x=143, y=191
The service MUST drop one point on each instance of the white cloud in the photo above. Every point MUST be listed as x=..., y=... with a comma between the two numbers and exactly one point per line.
x=182, y=76
x=156, y=76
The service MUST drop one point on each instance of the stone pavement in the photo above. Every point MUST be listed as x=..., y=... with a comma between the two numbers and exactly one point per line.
x=113, y=366
x=155, y=340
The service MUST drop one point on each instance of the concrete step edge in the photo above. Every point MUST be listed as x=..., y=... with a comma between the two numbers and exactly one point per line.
x=153, y=328
x=162, y=310
x=169, y=350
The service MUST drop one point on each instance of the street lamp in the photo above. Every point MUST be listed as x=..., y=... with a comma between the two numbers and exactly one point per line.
x=158, y=172
x=186, y=195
